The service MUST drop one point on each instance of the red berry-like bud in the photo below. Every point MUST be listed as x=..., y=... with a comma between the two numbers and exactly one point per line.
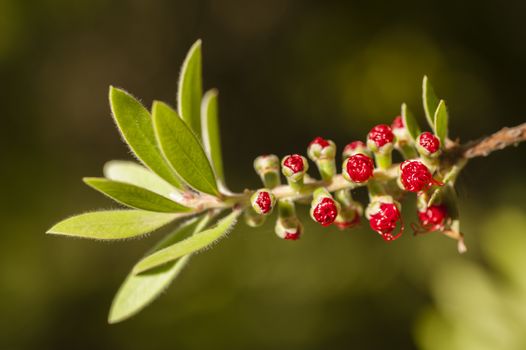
x=320, y=141
x=289, y=228
x=433, y=218
x=416, y=177
x=429, y=143
x=263, y=201
x=380, y=135
x=398, y=123
x=358, y=168
x=321, y=148
x=325, y=211
x=354, y=148
x=295, y=163
x=385, y=220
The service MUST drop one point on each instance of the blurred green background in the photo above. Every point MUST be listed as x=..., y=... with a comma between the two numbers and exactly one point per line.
x=287, y=71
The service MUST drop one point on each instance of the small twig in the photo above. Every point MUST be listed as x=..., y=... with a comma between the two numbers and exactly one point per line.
x=501, y=139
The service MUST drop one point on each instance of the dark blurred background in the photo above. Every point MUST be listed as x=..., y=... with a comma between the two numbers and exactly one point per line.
x=287, y=71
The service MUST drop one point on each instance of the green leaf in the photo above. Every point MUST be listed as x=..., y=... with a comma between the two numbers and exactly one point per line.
x=430, y=101
x=135, y=125
x=410, y=123
x=182, y=149
x=135, y=174
x=112, y=224
x=441, y=122
x=134, y=196
x=189, y=245
x=138, y=291
x=190, y=89
x=211, y=135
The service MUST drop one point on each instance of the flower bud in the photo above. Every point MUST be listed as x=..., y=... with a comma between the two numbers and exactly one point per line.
x=428, y=145
x=358, y=168
x=288, y=226
x=263, y=201
x=320, y=148
x=384, y=215
x=324, y=209
x=433, y=218
x=355, y=147
x=399, y=129
x=380, y=138
x=322, y=152
x=267, y=167
x=416, y=177
x=380, y=141
x=294, y=168
x=252, y=218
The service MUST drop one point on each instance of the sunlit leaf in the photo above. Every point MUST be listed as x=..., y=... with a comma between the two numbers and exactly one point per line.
x=189, y=245
x=211, y=134
x=410, y=122
x=430, y=101
x=135, y=124
x=183, y=150
x=134, y=196
x=441, y=122
x=190, y=89
x=138, y=291
x=112, y=224
x=135, y=174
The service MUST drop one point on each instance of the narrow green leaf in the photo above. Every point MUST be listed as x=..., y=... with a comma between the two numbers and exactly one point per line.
x=441, y=122
x=135, y=174
x=182, y=149
x=138, y=291
x=112, y=224
x=134, y=196
x=410, y=123
x=430, y=101
x=211, y=134
x=190, y=89
x=135, y=125
x=189, y=245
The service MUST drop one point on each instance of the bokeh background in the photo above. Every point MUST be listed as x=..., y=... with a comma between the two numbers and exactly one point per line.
x=287, y=71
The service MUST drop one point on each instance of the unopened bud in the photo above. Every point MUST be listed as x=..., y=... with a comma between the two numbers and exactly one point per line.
x=267, y=167
x=322, y=152
x=433, y=218
x=294, y=168
x=358, y=168
x=324, y=209
x=384, y=216
x=380, y=142
x=416, y=177
x=263, y=201
x=288, y=225
x=428, y=145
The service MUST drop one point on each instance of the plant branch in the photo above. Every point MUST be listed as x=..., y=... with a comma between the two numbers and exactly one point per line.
x=501, y=139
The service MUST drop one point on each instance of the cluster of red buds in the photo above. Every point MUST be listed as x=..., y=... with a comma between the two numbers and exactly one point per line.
x=364, y=164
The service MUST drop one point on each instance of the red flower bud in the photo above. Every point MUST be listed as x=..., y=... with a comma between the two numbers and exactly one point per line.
x=381, y=135
x=384, y=221
x=320, y=148
x=320, y=141
x=325, y=211
x=398, y=123
x=293, y=235
x=263, y=201
x=433, y=218
x=358, y=168
x=429, y=142
x=294, y=162
x=289, y=228
x=416, y=177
